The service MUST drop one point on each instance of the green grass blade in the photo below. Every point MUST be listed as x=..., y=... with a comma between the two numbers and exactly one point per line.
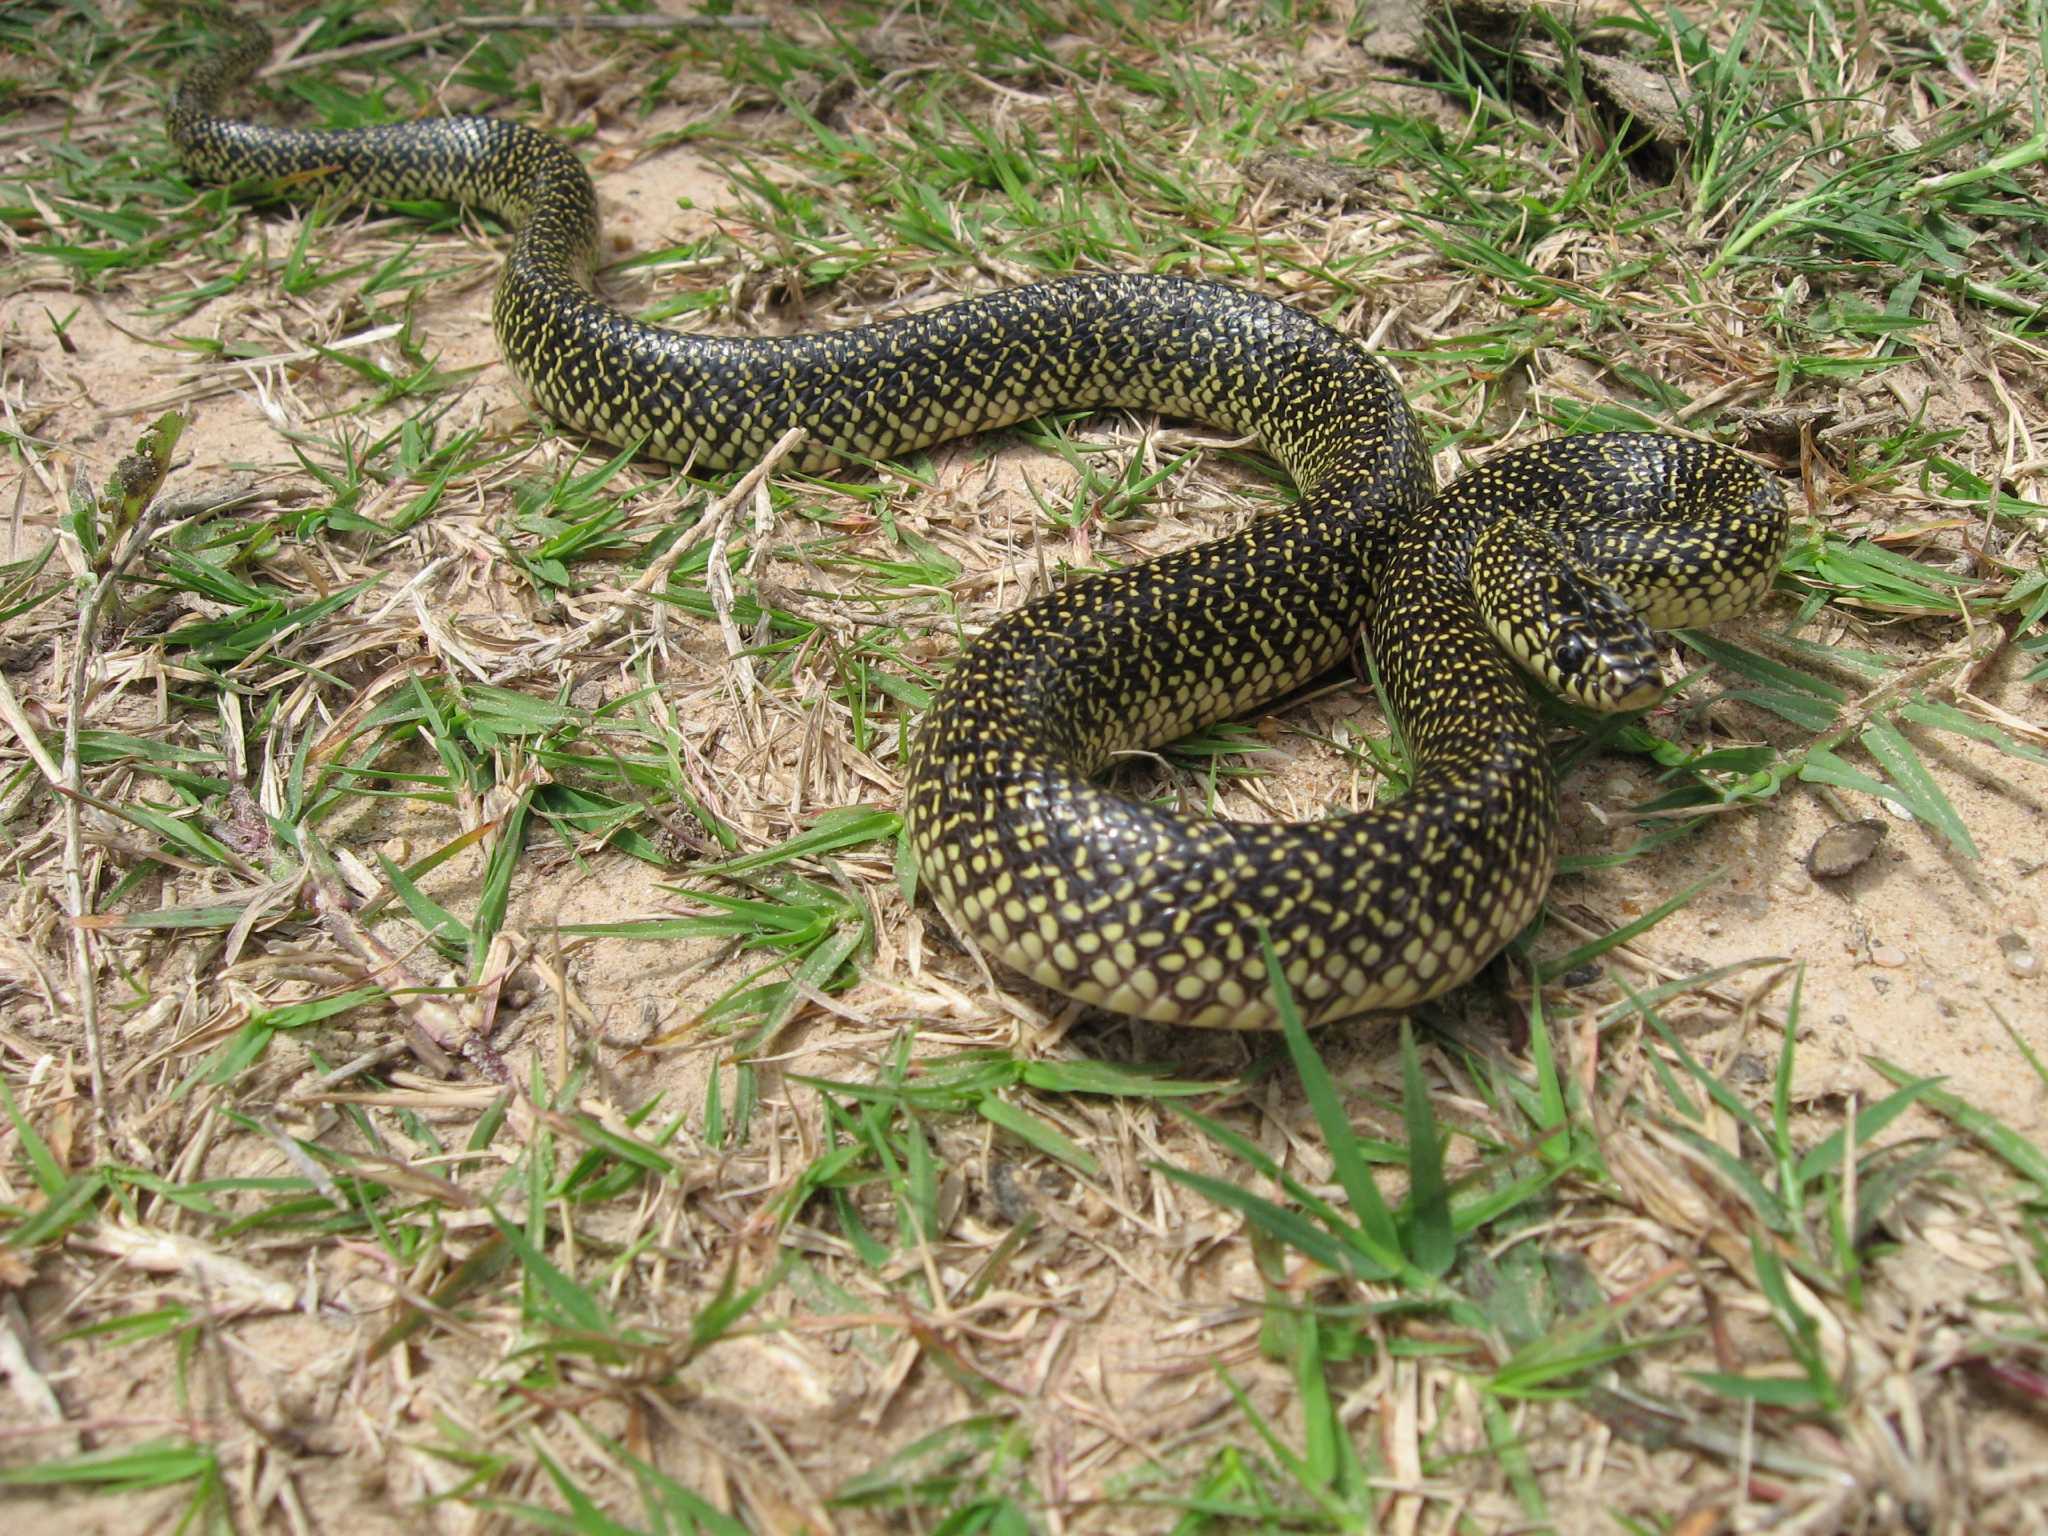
x=1378, y=1237
x=1431, y=1247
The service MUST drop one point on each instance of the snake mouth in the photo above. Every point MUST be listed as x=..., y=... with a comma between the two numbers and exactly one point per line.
x=1645, y=691
x=1609, y=680
x=1611, y=670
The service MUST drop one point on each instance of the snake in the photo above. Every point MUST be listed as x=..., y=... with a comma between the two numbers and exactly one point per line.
x=1553, y=563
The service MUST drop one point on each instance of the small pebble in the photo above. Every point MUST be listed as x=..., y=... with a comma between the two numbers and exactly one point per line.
x=1888, y=957
x=1844, y=849
x=1012, y=1202
x=1749, y=1068
x=2020, y=956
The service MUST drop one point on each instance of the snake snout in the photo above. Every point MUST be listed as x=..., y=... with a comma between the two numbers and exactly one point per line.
x=1606, y=663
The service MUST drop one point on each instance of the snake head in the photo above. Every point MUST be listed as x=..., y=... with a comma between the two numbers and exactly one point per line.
x=1608, y=664
x=1561, y=623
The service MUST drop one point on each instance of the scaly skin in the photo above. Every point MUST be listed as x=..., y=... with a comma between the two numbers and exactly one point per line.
x=1552, y=556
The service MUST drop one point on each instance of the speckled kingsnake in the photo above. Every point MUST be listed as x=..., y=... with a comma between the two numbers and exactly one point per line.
x=1117, y=903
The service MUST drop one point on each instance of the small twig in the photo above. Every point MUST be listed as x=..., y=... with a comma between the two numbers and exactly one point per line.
x=435, y=1028
x=32, y=1388
x=515, y=24
x=131, y=497
x=721, y=515
x=656, y=576
x=1736, y=388
x=25, y=732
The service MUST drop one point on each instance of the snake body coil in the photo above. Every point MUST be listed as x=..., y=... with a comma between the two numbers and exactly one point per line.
x=1557, y=555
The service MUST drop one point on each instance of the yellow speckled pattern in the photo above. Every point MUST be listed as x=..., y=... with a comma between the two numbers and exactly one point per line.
x=1557, y=556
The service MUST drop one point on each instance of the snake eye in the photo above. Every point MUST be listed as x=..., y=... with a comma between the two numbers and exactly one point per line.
x=1570, y=655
